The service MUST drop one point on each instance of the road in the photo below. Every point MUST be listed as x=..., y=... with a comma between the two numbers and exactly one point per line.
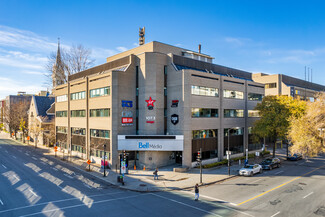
x=33, y=184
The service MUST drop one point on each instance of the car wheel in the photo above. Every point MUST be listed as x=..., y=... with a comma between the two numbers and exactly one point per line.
x=261, y=170
x=251, y=174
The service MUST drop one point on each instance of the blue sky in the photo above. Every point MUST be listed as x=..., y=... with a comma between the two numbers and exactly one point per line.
x=256, y=36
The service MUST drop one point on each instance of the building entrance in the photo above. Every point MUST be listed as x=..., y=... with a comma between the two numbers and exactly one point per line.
x=178, y=157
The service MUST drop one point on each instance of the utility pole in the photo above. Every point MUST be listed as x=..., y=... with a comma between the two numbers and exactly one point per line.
x=104, y=160
x=199, y=159
x=228, y=153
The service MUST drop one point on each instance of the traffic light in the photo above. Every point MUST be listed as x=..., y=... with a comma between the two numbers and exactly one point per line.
x=124, y=155
x=198, y=155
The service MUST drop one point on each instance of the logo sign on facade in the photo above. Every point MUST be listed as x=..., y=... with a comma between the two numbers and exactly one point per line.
x=150, y=119
x=127, y=120
x=127, y=114
x=126, y=103
x=174, y=103
x=150, y=104
x=148, y=145
x=174, y=119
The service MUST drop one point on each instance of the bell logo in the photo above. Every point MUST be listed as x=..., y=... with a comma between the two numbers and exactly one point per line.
x=143, y=145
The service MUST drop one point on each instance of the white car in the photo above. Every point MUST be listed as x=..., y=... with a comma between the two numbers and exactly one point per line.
x=250, y=170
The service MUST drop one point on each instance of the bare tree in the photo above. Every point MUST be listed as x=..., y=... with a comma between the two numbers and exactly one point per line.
x=74, y=60
x=16, y=116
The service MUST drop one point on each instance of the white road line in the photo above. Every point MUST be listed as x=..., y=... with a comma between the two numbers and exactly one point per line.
x=68, y=176
x=43, y=163
x=278, y=172
x=27, y=154
x=84, y=204
x=4, y=166
x=33, y=193
x=1, y=202
x=87, y=185
x=6, y=151
x=212, y=198
x=14, y=157
x=255, y=181
x=308, y=195
x=184, y=204
x=34, y=158
x=300, y=164
x=57, y=201
x=15, y=177
x=55, y=169
x=275, y=214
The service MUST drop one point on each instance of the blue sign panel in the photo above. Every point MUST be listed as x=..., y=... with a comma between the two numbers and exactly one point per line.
x=126, y=103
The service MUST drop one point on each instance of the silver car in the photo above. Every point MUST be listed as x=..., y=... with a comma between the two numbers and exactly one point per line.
x=250, y=170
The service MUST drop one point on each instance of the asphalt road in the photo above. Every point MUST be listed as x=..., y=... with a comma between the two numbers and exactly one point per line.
x=33, y=184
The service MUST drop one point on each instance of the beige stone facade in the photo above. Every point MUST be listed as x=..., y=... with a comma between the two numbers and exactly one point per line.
x=193, y=104
x=279, y=84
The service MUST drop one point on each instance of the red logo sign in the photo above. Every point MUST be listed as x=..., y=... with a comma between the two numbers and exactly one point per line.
x=150, y=104
x=127, y=120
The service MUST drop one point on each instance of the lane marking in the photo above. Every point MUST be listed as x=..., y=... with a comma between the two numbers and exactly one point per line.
x=87, y=186
x=58, y=201
x=27, y=154
x=68, y=176
x=308, y=195
x=15, y=177
x=34, y=158
x=255, y=181
x=275, y=214
x=184, y=204
x=279, y=186
x=83, y=204
x=33, y=193
x=43, y=163
x=14, y=157
x=55, y=169
x=212, y=198
x=4, y=166
x=279, y=172
x=6, y=151
x=300, y=164
x=1, y=202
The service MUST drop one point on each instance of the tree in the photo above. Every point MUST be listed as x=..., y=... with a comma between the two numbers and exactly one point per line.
x=22, y=127
x=76, y=59
x=14, y=114
x=307, y=132
x=275, y=112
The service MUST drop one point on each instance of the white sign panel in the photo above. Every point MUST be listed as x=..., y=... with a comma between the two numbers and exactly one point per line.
x=138, y=144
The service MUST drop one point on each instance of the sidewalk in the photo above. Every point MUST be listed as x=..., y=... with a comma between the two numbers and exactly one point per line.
x=142, y=180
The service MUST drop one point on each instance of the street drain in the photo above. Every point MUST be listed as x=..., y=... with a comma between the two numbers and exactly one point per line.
x=275, y=202
x=320, y=211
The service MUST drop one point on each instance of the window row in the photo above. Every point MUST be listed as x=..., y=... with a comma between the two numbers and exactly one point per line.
x=78, y=148
x=255, y=96
x=233, y=94
x=60, y=129
x=78, y=131
x=61, y=114
x=79, y=95
x=62, y=98
x=104, y=91
x=204, y=113
x=204, y=91
x=99, y=133
x=100, y=112
x=233, y=113
x=202, y=134
x=78, y=113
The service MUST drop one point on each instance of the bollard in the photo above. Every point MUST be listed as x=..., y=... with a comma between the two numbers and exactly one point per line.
x=144, y=167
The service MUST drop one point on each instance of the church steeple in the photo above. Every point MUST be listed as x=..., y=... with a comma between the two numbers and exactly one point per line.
x=58, y=74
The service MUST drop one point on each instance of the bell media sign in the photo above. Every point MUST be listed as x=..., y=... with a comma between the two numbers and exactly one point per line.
x=149, y=146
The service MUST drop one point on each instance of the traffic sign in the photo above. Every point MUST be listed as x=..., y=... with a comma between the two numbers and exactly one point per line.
x=55, y=148
x=88, y=162
x=123, y=169
x=28, y=138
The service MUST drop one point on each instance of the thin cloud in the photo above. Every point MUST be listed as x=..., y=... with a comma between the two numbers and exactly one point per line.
x=121, y=49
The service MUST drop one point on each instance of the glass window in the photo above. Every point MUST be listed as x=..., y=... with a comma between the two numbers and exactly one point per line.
x=100, y=112
x=60, y=129
x=78, y=131
x=253, y=113
x=104, y=91
x=62, y=98
x=233, y=113
x=204, y=112
x=78, y=113
x=99, y=133
x=233, y=94
x=255, y=96
x=204, y=91
x=79, y=95
x=270, y=85
x=61, y=114
x=202, y=134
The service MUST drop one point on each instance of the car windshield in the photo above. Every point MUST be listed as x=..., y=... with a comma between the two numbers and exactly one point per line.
x=249, y=166
x=267, y=161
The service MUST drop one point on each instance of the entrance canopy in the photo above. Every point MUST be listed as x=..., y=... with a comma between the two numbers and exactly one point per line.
x=150, y=142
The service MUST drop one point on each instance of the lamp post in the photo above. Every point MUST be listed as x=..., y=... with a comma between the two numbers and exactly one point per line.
x=104, y=159
x=228, y=155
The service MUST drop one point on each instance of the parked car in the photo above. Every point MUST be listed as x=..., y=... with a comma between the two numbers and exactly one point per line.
x=294, y=157
x=250, y=170
x=271, y=163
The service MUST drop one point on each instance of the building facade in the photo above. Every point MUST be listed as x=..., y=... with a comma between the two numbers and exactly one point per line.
x=280, y=84
x=160, y=104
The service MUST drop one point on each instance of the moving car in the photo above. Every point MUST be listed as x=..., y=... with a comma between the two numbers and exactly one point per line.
x=294, y=157
x=250, y=170
x=270, y=163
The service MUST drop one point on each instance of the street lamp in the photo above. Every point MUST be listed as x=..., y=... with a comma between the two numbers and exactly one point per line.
x=228, y=152
x=104, y=159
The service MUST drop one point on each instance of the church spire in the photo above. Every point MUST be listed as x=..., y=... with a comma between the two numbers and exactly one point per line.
x=58, y=75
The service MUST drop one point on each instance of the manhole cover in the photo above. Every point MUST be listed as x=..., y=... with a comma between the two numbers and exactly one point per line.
x=142, y=185
x=320, y=211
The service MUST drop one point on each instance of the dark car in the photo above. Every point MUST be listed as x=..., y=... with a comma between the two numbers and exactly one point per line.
x=294, y=157
x=270, y=163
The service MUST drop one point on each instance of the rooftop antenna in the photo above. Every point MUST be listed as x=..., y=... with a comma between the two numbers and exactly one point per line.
x=141, y=36
x=199, y=48
x=308, y=74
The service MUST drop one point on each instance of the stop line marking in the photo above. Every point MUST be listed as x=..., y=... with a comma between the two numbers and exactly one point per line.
x=308, y=195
